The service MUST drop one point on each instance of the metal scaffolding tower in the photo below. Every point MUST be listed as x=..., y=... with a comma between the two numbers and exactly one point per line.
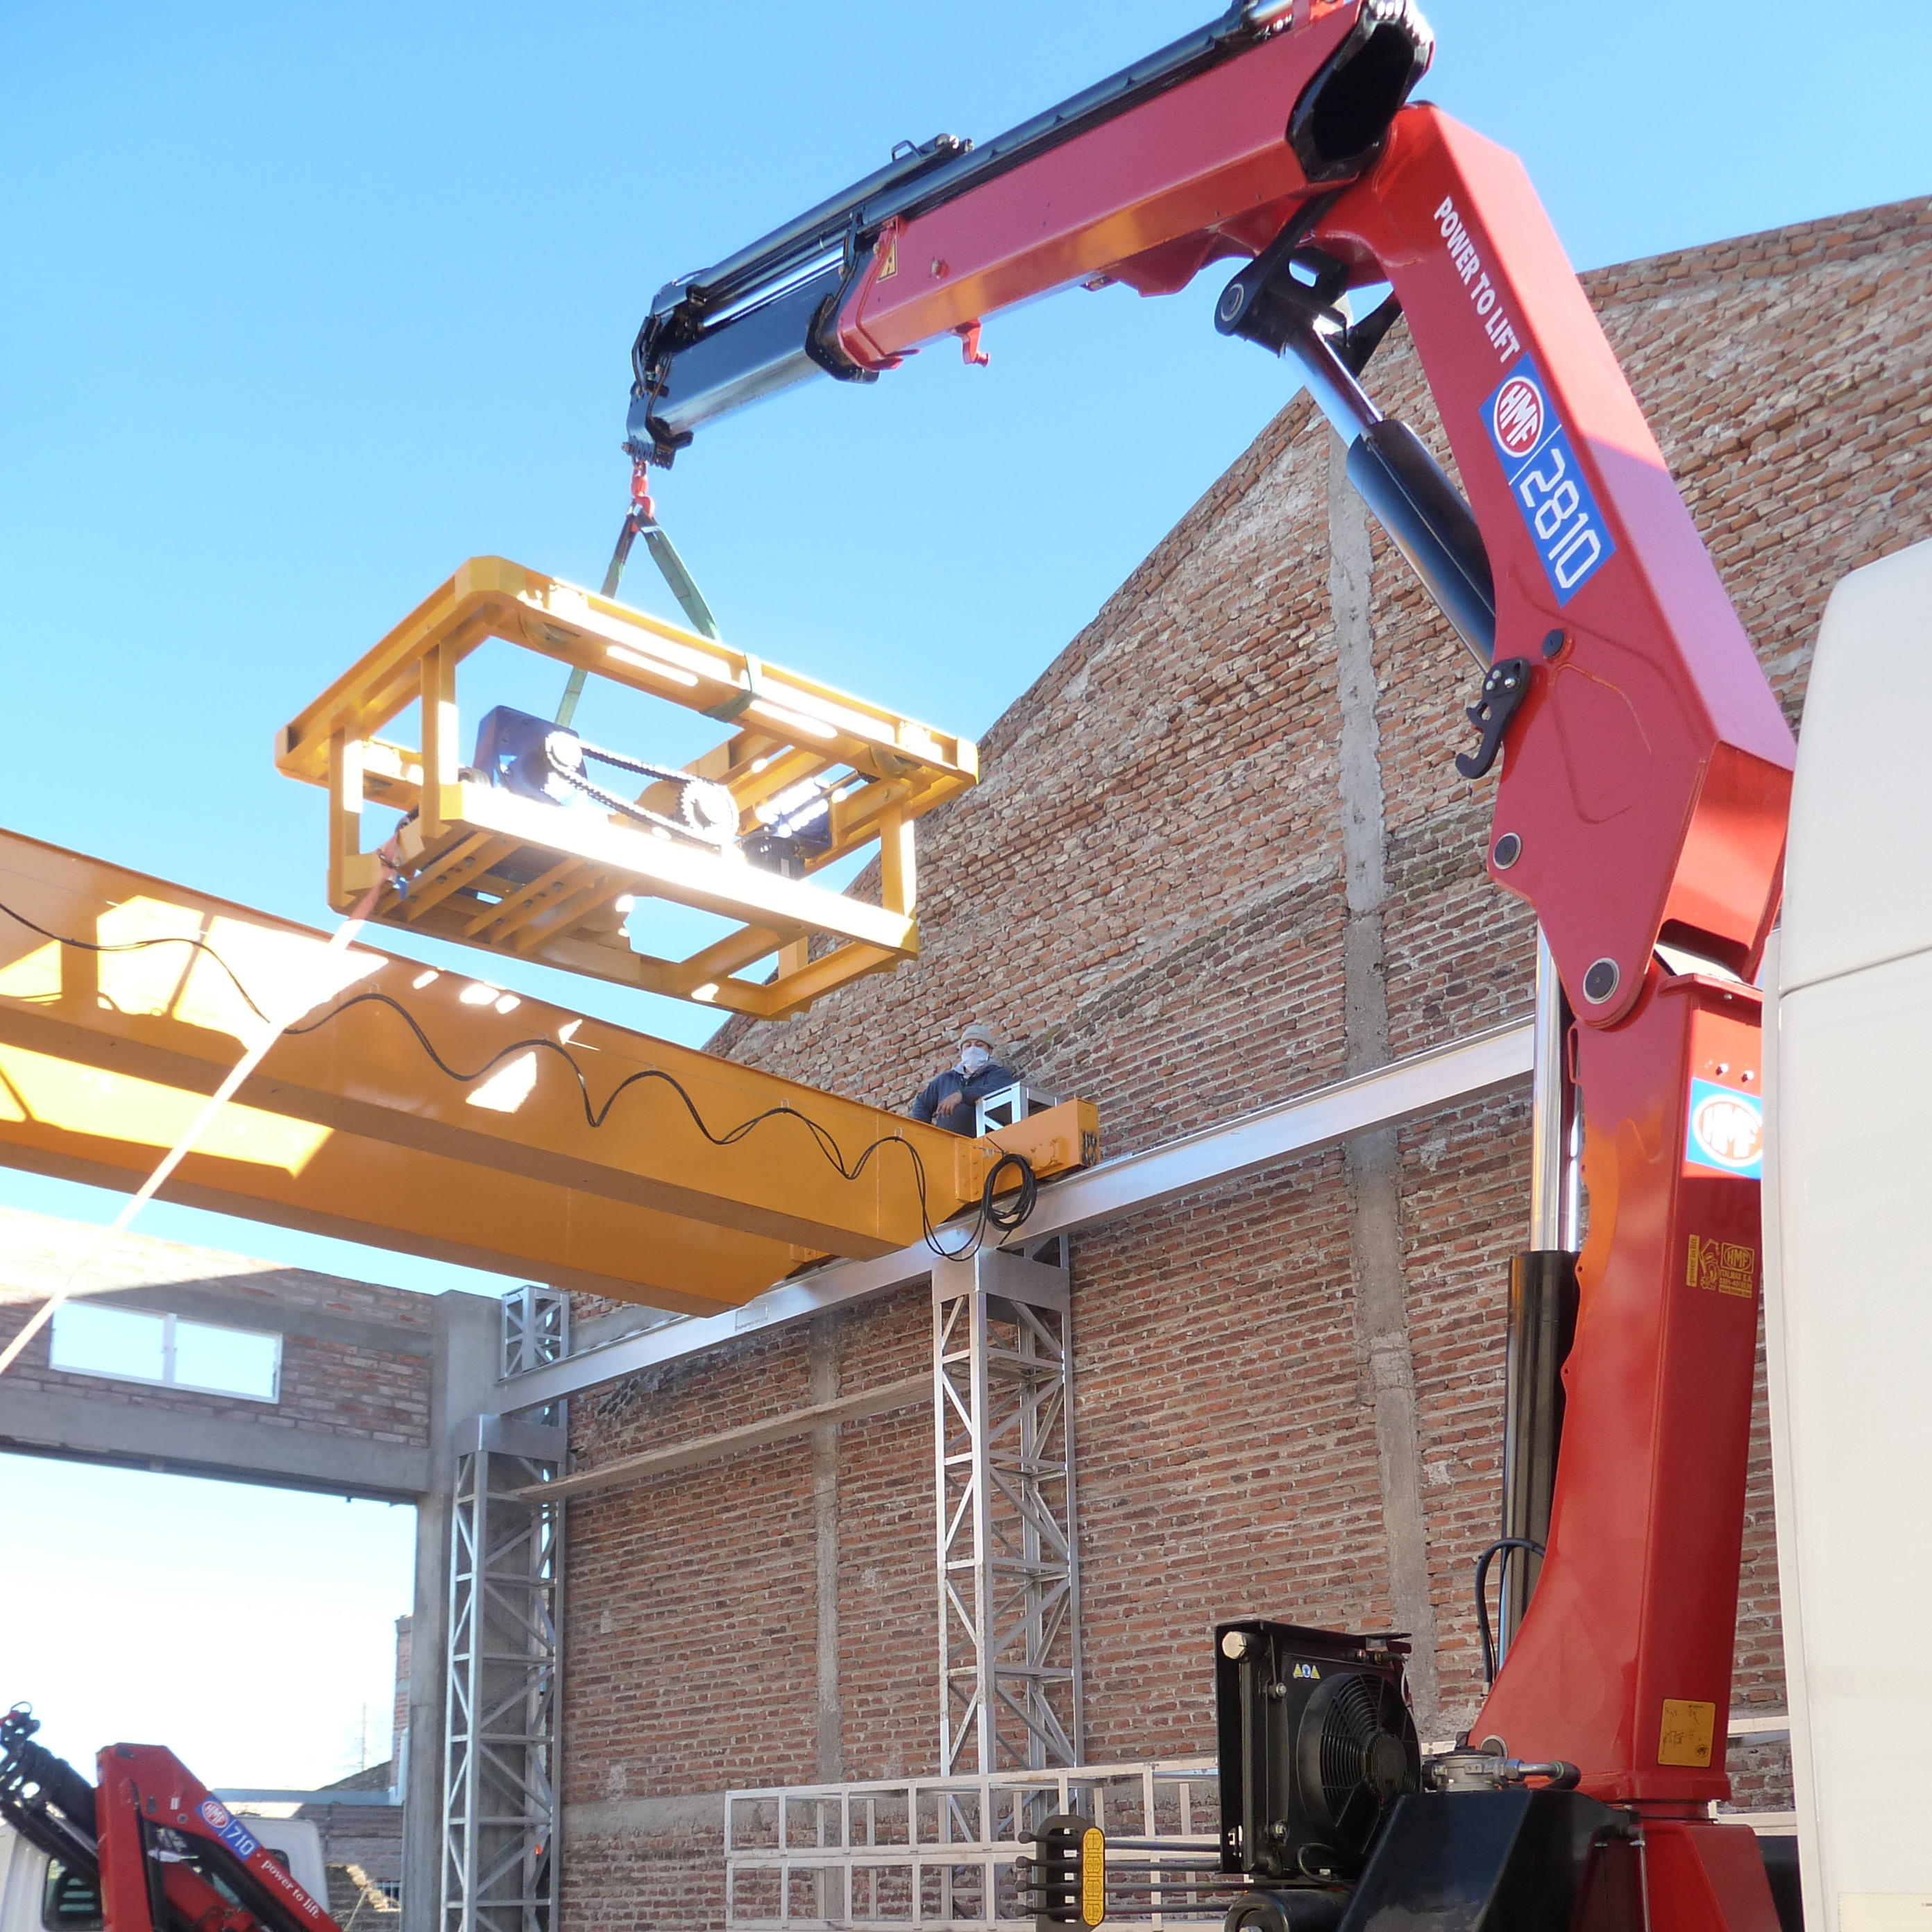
x=536, y=1330
x=1008, y=1567
x=505, y=1709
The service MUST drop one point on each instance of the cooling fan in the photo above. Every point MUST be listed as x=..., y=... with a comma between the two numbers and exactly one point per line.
x=1357, y=1755
x=1316, y=1745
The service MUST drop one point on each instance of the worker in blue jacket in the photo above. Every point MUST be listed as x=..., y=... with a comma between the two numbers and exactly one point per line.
x=951, y=1100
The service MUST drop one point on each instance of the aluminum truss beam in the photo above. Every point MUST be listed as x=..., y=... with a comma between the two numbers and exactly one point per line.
x=1423, y=1083
x=536, y=1330
x=1008, y=1574
x=503, y=1730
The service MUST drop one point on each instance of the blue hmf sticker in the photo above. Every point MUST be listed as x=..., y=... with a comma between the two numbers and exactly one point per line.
x=228, y=1828
x=1725, y=1131
x=1552, y=497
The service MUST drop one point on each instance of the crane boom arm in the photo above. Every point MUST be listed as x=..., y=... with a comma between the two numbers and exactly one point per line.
x=1174, y=162
x=1647, y=765
x=167, y=1854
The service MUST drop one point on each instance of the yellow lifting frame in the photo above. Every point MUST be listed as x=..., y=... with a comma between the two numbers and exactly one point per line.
x=487, y=868
x=351, y=1129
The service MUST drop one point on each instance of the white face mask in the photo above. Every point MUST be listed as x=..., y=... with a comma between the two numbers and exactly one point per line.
x=972, y=1059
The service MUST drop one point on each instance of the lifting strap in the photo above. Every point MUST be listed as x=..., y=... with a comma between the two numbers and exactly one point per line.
x=641, y=520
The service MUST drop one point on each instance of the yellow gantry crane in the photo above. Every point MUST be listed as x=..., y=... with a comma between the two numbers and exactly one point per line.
x=424, y=1110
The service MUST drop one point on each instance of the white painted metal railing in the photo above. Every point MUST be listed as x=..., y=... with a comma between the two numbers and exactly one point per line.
x=906, y=1854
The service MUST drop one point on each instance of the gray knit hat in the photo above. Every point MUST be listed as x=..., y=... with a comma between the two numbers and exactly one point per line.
x=977, y=1031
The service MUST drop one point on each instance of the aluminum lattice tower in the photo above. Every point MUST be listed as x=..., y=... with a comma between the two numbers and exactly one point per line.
x=1009, y=1569
x=505, y=1698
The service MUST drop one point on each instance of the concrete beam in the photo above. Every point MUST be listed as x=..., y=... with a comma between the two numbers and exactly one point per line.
x=82, y=1428
x=696, y=1816
x=1373, y=1160
x=469, y=1355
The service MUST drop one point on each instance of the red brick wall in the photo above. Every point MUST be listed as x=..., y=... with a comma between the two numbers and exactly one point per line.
x=1144, y=897
x=328, y=1387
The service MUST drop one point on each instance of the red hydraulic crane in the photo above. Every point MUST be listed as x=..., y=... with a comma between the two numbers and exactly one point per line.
x=165, y=1854
x=1642, y=802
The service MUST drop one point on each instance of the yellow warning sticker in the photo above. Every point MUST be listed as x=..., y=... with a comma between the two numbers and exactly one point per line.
x=889, y=253
x=1688, y=1729
x=1725, y=1268
x=1092, y=1876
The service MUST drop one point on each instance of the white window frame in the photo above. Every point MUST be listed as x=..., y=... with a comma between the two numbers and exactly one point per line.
x=167, y=1378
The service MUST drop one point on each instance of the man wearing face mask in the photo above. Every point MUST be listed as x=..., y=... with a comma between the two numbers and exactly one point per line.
x=950, y=1101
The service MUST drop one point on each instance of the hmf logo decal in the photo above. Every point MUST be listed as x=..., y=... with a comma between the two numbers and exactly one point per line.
x=1722, y=1267
x=1517, y=417
x=227, y=1828
x=1725, y=1131
x=1572, y=542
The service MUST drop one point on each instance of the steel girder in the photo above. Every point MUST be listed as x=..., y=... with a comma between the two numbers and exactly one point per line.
x=351, y=1128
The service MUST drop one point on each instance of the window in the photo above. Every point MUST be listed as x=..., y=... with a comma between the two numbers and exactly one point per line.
x=132, y=1346
x=72, y=1900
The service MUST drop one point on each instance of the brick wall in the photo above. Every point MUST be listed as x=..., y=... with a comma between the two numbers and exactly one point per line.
x=1145, y=897
x=329, y=1386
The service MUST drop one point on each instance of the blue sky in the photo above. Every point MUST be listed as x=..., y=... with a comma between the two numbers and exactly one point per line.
x=305, y=305
x=251, y=1631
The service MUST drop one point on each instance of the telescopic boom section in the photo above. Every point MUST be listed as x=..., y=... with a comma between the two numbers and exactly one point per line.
x=1200, y=151
x=1647, y=764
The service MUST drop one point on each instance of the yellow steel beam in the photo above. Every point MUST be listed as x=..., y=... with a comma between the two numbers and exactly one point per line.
x=353, y=1124
x=77, y=1123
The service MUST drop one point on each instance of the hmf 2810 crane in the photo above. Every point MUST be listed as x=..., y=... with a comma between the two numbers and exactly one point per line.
x=157, y=1850
x=1646, y=774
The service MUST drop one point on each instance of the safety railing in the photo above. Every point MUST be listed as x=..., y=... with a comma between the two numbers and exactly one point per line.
x=904, y=1855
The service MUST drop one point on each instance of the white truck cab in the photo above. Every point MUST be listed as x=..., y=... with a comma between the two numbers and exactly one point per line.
x=1848, y=1315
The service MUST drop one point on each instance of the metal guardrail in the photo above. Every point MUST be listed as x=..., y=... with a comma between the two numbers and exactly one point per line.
x=941, y=1854
x=917, y=1854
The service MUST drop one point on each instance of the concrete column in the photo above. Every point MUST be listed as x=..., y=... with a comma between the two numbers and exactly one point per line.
x=468, y=1344
x=1372, y=1160
x=823, y=1356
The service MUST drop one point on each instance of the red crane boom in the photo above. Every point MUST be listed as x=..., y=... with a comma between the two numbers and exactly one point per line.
x=1647, y=767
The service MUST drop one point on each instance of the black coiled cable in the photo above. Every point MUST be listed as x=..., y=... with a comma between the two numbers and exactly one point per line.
x=1012, y=1214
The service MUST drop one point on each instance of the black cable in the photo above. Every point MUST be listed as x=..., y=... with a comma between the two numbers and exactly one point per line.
x=991, y=1212
x=1006, y=1218
x=141, y=946
x=1482, y=1596
x=1009, y=1217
